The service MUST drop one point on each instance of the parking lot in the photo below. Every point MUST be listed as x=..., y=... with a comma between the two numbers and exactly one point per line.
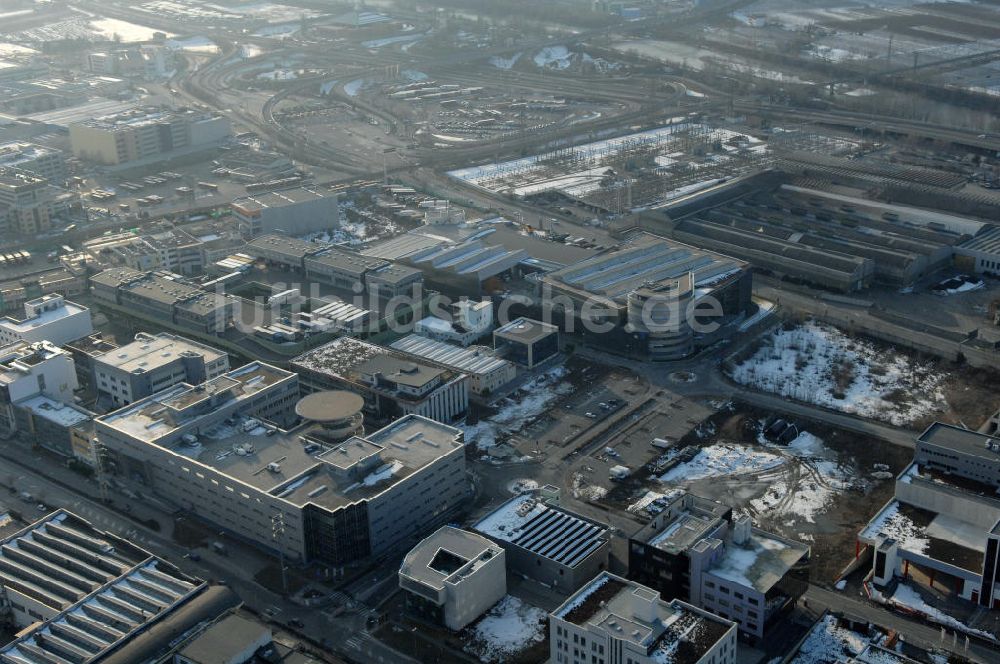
x=568, y=422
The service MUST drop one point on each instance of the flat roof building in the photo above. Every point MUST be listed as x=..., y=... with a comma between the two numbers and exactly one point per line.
x=546, y=542
x=944, y=516
x=211, y=450
x=232, y=640
x=80, y=594
x=153, y=363
x=29, y=205
x=613, y=619
x=146, y=136
x=38, y=160
x=526, y=342
x=30, y=370
x=296, y=211
x=452, y=577
x=638, y=298
x=392, y=383
x=960, y=451
x=488, y=374
x=696, y=550
x=287, y=252
x=48, y=318
x=159, y=295
x=63, y=428
x=469, y=321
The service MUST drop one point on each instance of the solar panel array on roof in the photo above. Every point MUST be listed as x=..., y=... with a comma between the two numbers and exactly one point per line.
x=560, y=537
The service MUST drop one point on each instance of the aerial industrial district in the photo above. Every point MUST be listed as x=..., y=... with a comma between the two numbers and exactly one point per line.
x=574, y=331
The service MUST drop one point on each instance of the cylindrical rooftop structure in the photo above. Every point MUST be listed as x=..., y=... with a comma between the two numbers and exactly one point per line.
x=337, y=411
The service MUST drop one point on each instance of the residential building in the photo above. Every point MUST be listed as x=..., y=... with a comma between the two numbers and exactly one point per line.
x=38, y=160
x=488, y=374
x=210, y=449
x=28, y=370
x=469, y=321
x=297, y=211
x=76, y=594
x=146, y=136
x=696, y=550
x=452, y=577
x=48, y=318
x=526, y=342
x=153, y=363
x=392, y=383
x=166, y=296
x=611, y=620
x=547, y=543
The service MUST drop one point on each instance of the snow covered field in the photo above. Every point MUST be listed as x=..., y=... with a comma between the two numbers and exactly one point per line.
x=812, y=491
x=534, y=174
x=530, y=401
x=819, y=364
x=720, y=460
x=93, y=28
x=506, y=629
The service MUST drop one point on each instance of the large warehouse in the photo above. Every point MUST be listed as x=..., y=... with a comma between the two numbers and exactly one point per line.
x=79, y=594
x=831, y=241
x=642, y=292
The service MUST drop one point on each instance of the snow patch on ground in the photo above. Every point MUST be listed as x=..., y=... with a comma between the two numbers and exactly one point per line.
x=530, y=401
x=828, y=642
x=507, y=629
x=722, y=459
x=819, y=364
x=505, y=63
x=553, y=57
x=911, y=599
x=823, y=479
x=354, y=87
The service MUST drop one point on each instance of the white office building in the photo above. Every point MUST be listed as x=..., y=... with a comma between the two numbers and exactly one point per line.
x=48, y=318
x=29, y=370
x=452, y=577
x=615, y=621
x=153, y=363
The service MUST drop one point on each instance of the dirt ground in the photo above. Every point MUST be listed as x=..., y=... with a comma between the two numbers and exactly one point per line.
x=973, y=395
x=830, y=532
x=432, y=643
